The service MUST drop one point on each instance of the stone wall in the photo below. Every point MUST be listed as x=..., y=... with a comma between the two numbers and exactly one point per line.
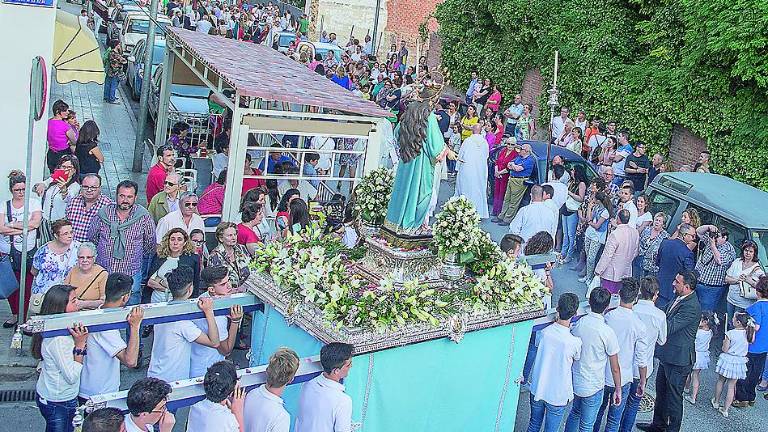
x=685, y=146
x=339, y=16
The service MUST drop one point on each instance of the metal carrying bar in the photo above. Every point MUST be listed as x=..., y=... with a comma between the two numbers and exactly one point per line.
x=190, y=391
x=99, y=320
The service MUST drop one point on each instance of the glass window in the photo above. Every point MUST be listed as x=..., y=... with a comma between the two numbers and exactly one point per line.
x=706, y=216
x=158, y=54
x=569, y=164
x=664, y=203
x=736, y=232
x=761, y=238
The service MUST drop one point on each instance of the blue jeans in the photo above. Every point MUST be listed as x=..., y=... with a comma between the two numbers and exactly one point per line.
x=135, y=297
x=543, y=412
x=630, y=408
x=765, y=371
x=709, y=296
x=614, y=412
x=110, y=88
x=211, y=221
x=569, y=235
x=451, y=165
x=584, y=413
x=530, y=357
x=58, y=415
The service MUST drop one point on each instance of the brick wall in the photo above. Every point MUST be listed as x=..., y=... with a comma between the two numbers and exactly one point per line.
x=685, y=146
x=531, y=90
x=403, y=20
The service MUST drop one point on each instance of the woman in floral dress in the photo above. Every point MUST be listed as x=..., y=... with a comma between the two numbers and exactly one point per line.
x=54, y=259
x=526, y=124
x=348, y=161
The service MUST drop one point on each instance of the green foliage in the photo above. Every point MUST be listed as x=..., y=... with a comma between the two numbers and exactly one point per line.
x=650, y=64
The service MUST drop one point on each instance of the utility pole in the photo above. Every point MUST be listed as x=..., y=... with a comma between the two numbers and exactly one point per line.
x=138, y=145
x=375, y=36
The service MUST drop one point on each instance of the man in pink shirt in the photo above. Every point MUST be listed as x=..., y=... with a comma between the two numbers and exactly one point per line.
x=166, y=160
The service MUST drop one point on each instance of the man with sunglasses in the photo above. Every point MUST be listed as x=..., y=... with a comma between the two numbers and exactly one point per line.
x=714, y=261
x=167, y=200
x=147, y=406
x=675, y=256
x=185, y=217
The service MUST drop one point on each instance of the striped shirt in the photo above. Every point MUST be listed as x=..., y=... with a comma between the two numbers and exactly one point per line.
x=139, y=242
x=81, y=218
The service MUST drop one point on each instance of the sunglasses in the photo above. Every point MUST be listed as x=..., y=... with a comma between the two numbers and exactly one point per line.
x=190, y=204
x=170, y=184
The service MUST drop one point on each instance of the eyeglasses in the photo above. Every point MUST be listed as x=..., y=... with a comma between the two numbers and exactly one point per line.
x=198, y=242
x=90, y=188
x=190, y=204
x=170, y=184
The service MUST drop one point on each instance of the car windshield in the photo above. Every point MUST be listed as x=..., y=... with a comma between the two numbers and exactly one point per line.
x=285, y=40
x=142, y=26
x=158, y=54
x=190, y=91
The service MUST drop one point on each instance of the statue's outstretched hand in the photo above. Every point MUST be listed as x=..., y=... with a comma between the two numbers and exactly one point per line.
x=451, y=155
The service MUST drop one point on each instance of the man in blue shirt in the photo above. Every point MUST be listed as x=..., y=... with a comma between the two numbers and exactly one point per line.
x=674, y=256
x=275, y=158
x=519, y=171
x=310, y=162
x=471, y=88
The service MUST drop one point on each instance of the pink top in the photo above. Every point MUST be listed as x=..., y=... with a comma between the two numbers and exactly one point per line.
x=499, y=135
x=212, y=200
x=155, y=180
x=57, y=135
x=490, y=137
x=493, y=101
x=505, y=157
x=246, y=235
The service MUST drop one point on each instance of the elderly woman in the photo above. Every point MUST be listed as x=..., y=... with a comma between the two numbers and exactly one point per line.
x=231, y=255
x=88, y=278
x=650, y=241
x=175, y=250
x=53, y=261
x=501, y=174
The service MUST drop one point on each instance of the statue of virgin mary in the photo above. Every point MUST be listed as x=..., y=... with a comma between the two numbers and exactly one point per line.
x=421, y=147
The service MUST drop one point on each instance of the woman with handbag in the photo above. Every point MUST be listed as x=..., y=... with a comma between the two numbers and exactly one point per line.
x=52, y=262
x=742, y=277
x=88, y=278
x=61, y=363
x=57, y=191
x=577, y=188
x=11, y=230
x=175, y=250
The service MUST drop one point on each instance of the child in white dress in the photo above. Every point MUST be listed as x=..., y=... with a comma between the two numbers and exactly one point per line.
x=707, y=325
x=732, y=364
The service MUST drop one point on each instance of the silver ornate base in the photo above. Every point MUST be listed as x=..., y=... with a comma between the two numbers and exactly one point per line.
x=369, y=230
x=382, y=260
x=451, y=270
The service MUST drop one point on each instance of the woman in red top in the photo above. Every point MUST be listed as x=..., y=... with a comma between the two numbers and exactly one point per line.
x=283, y=215
x=501, y=172
x=252, y=215
x=250, y=183
x=494, y=100
x=212, y=200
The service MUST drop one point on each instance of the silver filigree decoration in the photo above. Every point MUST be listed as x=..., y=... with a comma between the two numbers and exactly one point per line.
x=457, y=326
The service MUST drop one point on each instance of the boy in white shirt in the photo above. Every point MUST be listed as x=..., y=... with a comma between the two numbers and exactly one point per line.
x=222, y=408
x=551, y=380
x=147, y=406
x=264, y=405
x=599, y=347
x=216, y=282
x=323, y=405
x=630, y=332
x=172, y=345
x=107, y=349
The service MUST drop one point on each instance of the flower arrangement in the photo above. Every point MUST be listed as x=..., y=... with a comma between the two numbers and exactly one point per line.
x=486, y=253
x=509, y=284
x=455, y=229
x=372, y=195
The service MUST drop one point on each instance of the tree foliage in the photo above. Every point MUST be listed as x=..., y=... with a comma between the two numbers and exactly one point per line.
x=650, y=64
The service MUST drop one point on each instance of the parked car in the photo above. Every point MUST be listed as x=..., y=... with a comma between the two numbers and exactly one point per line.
x=719, y=200
x=321, y=48
x=284, y=39
x=136, y=27
x=135, y=70
x=118, y=16
x=187, y=103
x=538, y=175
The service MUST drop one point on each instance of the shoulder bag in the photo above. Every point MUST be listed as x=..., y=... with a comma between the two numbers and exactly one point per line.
x=45, y=231
x=746, y=290
x=80, y=297
x=8, y=282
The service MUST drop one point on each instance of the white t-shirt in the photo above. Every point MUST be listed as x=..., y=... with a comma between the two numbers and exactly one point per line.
x=203, y=26
x=168, y=266
x=324, y=407
x=323, y=143
x=130, y=426
x=171, y=350
x=265, y=412
x=598, y=342
x=645, y=217
x=17, y=214
x=101, y=369
x=202, y=356
x=632, y=208
x=630, y=332
x=551, y=377
x=207, y=416
x=176, y=220
x=561, y=192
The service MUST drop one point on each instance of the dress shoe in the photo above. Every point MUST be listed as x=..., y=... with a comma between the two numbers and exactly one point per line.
x=648, y=427
x=11, y=323
x=740, y=404
x=502, y=223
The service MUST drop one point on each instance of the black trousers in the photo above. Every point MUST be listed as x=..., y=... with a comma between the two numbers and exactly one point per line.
x=52, y=158
x=668, y=411
x=745, y=389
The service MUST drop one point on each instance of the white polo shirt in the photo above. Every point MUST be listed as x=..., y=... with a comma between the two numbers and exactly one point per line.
x=551, y=378
x=264, y=412
x=655, y=322
x=171, y=350
x=632, y=209
x=530, y=219
x=630, y=333
x=202, y=357
x=207, y=416
x=174, y=219
x=101, y=369
x=324, y=407
x=598, y=342
x=561, y=192
x=130, y=426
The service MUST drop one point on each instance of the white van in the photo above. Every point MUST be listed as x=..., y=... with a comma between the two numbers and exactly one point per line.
x=136, y=28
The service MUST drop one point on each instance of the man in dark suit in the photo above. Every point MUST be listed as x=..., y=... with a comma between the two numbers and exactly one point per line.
x=674, y=256
x=677, y=356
